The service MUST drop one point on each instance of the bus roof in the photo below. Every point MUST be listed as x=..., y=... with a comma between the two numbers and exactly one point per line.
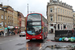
x=34, y=13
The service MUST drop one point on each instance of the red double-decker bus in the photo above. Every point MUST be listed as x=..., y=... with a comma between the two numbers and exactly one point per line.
x=36, y=27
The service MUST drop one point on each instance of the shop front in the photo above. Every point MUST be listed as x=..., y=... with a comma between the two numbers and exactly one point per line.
x=11, y=30
x=17, y=30
x=1, y=31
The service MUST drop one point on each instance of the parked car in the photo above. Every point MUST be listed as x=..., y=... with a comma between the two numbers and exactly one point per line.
x=22, y=34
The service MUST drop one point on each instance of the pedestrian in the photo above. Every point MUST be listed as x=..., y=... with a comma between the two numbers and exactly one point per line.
x=14, y=32
x=18, y=31
x=9, y=32
x=2, y=32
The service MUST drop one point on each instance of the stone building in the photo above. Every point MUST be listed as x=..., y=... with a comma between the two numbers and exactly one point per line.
x=9, y=15
x=25, y=21
x=21, y=21
x=15, y=19
x=59, y=16
x=8, y=18
x=3, y=16
x=74, y=19
x=23, y=24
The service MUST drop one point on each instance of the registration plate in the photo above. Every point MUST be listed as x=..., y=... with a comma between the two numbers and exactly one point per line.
x=33, y=39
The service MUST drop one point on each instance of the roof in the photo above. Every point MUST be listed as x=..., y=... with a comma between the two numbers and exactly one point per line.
x=6, y=6
x=20, y=14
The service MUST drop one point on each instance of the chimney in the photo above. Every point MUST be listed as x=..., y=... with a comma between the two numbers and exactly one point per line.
x=1, y=5
x=55, y=1
x=51, y=1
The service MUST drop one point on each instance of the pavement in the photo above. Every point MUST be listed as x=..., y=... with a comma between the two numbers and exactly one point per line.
x=7, y=36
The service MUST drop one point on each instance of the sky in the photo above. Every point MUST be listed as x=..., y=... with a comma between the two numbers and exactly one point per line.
x=39, y=6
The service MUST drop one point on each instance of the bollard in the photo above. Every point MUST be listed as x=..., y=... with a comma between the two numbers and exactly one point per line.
x=4, y=34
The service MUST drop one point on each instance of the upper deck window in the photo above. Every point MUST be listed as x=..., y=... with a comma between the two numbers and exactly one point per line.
x=34, y=17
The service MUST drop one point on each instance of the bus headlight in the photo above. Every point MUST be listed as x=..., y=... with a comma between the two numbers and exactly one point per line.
x=27, y=37
x=40, y=37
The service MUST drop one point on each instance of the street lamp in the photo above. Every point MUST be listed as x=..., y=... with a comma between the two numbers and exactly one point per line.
x=27, y=8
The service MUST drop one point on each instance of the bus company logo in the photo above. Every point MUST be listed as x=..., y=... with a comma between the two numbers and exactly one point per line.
x=33, y=33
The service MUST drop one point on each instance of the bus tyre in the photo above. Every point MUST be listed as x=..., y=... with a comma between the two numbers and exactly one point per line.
x=31, y=40
x=19, y=35
x=45, y=37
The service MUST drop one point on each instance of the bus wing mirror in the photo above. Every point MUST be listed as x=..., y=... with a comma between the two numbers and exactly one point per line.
x=25, y=28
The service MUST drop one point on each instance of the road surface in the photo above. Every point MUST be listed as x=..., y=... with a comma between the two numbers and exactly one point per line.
x=20, y=43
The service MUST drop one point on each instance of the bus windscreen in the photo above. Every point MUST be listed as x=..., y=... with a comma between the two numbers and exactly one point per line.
x=33, y=30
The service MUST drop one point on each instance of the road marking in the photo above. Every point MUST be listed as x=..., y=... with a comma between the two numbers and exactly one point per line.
x=10, y=40
x=43, y=45
x=0, y=43
x=40, y=47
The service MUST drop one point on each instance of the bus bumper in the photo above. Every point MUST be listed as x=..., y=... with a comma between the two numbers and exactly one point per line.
x=34, y=37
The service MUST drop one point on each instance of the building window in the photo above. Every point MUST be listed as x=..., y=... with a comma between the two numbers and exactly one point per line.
x=64, y=26
x=55, y=26
x=8, y=23
x=58, y=17
x=13, y=14
x=1, y=16
x=61, y=26
x=4, y=9
x=51, y=25
x=5, y=17
x=50, y=9
x=69, y=12
x=65, y=11
x=2, y=23
x=61, y=18
x=0, y=8
x=12, y=18
x=58, y=27
x=51, y=18
x=8, y=11
x=58, y=9
x=8, y=17
x=61, y=10
x=73, y=15
x=54, y=0
x=5, y=23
